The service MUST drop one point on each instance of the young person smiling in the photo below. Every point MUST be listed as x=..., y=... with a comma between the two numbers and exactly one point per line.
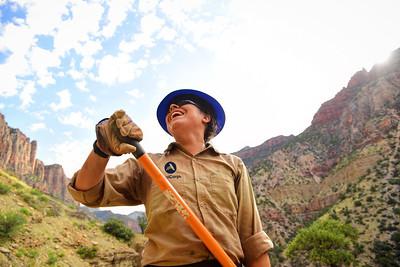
x=215, y=185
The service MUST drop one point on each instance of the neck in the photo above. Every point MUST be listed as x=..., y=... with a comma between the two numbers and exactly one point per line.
x=191, y=145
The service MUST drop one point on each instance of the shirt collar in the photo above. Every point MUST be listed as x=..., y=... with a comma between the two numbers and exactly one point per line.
x=174, y=145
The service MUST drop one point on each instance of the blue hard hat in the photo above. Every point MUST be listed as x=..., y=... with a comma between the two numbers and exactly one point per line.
x=205, y=101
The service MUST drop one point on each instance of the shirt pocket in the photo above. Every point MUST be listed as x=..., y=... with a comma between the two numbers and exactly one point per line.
x=223, y=193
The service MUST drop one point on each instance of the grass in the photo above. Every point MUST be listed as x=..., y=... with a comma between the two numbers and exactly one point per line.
x=48, y=240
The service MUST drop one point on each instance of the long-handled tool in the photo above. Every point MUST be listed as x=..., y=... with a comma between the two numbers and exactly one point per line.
x=180, y=205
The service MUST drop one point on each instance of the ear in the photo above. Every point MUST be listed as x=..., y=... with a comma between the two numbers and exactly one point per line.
x=206, y=118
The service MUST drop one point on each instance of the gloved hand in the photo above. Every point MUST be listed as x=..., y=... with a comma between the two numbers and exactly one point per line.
x=111, y=133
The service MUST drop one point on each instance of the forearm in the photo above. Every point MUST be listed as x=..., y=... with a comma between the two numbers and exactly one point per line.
x=262, y=261
x=91, y=172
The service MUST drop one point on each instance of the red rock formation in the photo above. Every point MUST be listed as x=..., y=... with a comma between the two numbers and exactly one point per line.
x=250, y=155
x=16, y=150
x=359, y=78
x=18, y=155
x=56, y=182
x=332, y=110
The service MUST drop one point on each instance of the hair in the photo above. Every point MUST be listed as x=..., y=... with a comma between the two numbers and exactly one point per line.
x=211, y=129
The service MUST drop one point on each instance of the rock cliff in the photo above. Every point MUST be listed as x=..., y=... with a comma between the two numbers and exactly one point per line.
x=297, y=178
x=18, y=155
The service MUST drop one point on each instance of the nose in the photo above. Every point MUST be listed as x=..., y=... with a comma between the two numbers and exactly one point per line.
x=172, y=107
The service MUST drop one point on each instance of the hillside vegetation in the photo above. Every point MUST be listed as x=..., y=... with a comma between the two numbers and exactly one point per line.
x=39, y=230
x=345, y=166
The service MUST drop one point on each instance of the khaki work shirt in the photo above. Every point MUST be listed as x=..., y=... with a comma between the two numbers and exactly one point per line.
x=216, y=187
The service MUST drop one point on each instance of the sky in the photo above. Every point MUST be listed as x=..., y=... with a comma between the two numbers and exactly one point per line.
x=66, y=64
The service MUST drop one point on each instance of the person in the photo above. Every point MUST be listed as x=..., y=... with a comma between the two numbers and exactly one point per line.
x=215, y=185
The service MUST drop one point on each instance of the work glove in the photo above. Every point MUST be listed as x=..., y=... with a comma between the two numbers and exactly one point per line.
x=113, y=133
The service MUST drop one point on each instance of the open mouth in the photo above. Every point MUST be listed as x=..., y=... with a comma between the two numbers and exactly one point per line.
x=176, y=114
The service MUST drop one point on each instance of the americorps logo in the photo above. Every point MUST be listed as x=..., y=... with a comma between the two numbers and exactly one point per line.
x=170, y=167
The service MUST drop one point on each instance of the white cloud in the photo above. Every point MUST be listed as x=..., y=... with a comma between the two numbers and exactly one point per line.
x=37, y=126
x=9, y=83
x=93, y=98
x=2, y=106
x=40, y=61
x=179, y=11
x=89, y=48
x=119, y=69
x=40, y=114
x=76, y=75
x=148, y=5
x=167, y=34
x=71, y=154
x=16, y=38
x=84, y=21
x=135, y=93
x=117, y=12
x=43, y=17
x=151, y=24
x=89, y=111
x=77, y=119
x=82, y=86
x=26, y=95
x=87, y=51
x=87, y=62
x=139, y=40
x=65, y=101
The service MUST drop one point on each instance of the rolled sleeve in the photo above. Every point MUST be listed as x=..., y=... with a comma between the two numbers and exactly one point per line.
x=120, y=186
x=91, y=197
x=254, y=240
x=256, y=245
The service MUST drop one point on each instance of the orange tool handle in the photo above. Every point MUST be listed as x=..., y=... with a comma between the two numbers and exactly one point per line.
x=181, y=206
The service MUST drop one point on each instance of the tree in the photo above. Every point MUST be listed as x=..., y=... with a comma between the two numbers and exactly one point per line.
x=142, y=223
x=328, y=242
x=118, y=229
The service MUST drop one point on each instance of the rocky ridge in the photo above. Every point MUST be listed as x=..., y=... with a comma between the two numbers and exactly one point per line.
x=352, y=141
x=18, y=156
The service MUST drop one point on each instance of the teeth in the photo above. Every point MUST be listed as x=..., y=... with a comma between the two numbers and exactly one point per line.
x=176, y=114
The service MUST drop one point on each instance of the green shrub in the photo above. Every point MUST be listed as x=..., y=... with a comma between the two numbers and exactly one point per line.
x=17, y=185
x=394, y=181
x=10, y=222
x=396, y=211
x=327, y=242
x=4, y=189
x=117, y=228
x=43, y=198
x=36, y=192
x=25, y=211
x=52, y=258
x=52, y=211
x=30, y=253
x=384, y=253
x=87, y=252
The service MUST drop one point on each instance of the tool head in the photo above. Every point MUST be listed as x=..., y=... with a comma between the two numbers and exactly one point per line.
x=203, y=101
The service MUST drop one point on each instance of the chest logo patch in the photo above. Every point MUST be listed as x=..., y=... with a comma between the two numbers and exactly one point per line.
x=170, y=167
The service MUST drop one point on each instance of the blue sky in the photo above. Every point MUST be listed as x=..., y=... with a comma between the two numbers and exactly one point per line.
x=66, y=64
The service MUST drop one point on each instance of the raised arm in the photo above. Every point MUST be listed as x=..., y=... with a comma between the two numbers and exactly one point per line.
x=109, y=133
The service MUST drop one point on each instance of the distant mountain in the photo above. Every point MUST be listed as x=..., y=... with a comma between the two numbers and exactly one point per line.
x=346, y=164
x=130, y=220
x=136, y=214
x=18, y=156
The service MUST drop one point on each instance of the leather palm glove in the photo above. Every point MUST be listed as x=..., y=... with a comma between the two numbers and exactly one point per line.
x=111, y=133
